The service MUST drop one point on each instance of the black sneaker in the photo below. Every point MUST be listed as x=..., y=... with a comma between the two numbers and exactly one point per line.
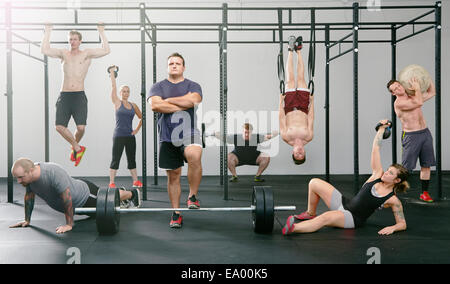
x=176, y=221
x=298, y=43
x=136, y=199
x=258, y=179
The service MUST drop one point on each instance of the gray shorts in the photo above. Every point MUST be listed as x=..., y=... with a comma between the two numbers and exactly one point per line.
x=336, y=204
x=417, y=145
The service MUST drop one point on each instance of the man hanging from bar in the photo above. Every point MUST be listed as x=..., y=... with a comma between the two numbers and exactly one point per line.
x=72, y=101
x=296, y=111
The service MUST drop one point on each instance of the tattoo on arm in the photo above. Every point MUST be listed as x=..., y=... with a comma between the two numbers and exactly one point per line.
x=398, y=212
x=68, y=207
x=29, y=205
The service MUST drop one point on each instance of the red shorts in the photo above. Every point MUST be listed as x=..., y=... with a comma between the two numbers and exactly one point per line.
x=297, y=100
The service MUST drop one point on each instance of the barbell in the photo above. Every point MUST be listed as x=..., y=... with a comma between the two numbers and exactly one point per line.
x=108, y=210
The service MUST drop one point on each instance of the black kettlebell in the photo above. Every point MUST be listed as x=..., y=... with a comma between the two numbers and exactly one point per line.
x=116, y=70
x=387, y=131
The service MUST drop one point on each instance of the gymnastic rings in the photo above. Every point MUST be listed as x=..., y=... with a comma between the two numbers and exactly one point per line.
x=312, y=60
x=311, y=87
x=281, y=76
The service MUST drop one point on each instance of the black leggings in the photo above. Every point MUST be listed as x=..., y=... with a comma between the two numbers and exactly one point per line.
x=129, y=143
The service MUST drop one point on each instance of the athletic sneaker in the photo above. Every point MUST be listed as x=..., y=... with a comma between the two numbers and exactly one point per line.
x=112, y=185
x=137, y=184
x=304, y=216
x=289, y=227
x=136, y=199
x=79, y=155
x=298, y=43
x=291, y=44
x=258, y=179
x=176, y=221
x=234, y=179
x=425, y=196
x=124, y=204
x=72, y=155
x=193, y=203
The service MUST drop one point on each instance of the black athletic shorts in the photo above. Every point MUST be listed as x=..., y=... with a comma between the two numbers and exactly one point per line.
x=247, y=158
x=171, y=157
x=92, y=200
x=71, y=104
x=417, y=145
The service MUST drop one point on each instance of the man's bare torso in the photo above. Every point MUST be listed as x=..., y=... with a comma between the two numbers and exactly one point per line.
x=75, y=66
x=296, y=127
x=412, y=120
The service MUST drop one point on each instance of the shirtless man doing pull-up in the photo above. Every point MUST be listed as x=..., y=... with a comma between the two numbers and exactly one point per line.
x=72, y=100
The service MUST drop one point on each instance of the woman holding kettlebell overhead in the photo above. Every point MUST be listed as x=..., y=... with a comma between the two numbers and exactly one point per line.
x=379, y=191
x=124, y=135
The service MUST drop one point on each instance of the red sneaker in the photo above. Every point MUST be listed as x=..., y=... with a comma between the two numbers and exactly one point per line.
x=176, y=221
x=304, y=216
x=137, y=184
x=79, y=155
x=193, y=203
x=425, y=196
x=289, y=227
x=112, y=185
x=72, y=155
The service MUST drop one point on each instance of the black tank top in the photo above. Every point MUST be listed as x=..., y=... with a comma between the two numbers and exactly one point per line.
x=364, y=203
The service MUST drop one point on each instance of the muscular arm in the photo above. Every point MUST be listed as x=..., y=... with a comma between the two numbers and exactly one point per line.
x=282, y=116
x=375, y=161
x=311, y=119
x=139, y=115
x=187, y=101
x=430, y=93
x=114, y=98
x=29, y=205
x=45, y=45
x=162, y=106
x=400, y=222
x=100, y=52
x=68, y=206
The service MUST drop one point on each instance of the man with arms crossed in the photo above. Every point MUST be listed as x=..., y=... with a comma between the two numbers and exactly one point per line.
x=72, y=100
x=175, y=99
x=417, y=142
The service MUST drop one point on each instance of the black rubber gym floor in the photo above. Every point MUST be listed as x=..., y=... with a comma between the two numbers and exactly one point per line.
x=226, y=237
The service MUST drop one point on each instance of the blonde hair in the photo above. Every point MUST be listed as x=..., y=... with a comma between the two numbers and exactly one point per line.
x=26, y=164
x=74, y=32
x=122, y=87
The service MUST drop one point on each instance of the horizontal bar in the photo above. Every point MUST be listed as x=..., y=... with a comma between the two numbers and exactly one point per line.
x=341, y=54
x=220, y=8
x=341, y=40
x=275, y=25
x=201, y=42
x=218, y=209
x=26, y=54
x=417, y=18
x=414, y=34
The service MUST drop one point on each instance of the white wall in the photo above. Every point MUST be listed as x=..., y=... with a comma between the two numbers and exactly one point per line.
x=252, y=82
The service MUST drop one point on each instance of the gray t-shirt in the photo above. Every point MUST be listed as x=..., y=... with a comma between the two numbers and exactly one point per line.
x=54, y=180
x=173, y=122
